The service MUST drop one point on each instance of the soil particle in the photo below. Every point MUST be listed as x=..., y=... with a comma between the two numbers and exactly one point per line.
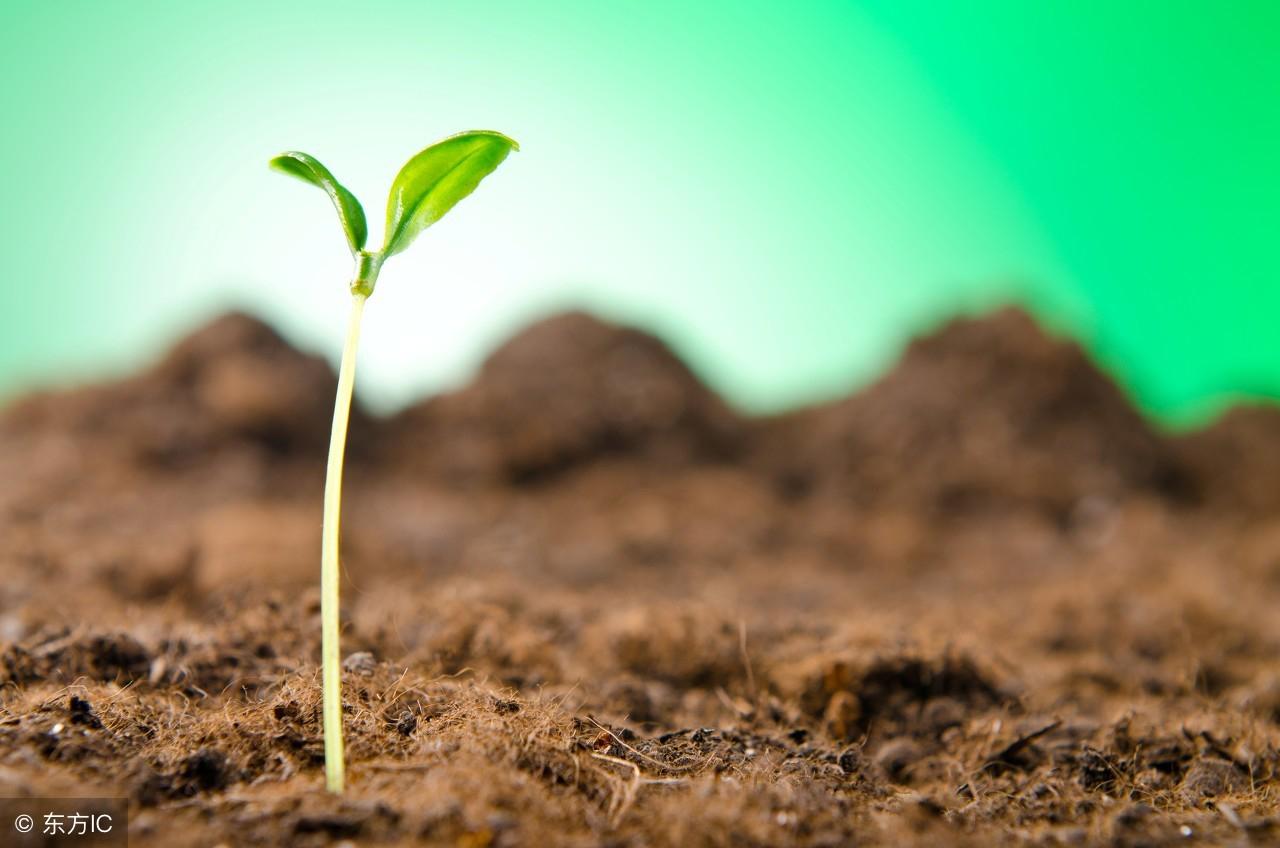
x=81, y=712
x=206, y=770
x=1210, y=777
x=117, y=657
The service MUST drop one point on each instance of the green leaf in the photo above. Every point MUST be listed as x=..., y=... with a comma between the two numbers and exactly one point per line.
x=308, y=168
x=431, y=183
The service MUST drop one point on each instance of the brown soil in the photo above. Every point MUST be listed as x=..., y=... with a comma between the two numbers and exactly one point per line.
x=586, y=603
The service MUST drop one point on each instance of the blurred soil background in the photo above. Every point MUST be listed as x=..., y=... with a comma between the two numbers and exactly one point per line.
x=980, y=602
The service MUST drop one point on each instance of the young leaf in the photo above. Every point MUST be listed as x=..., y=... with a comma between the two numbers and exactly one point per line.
x=432, y=182
x=350, y=213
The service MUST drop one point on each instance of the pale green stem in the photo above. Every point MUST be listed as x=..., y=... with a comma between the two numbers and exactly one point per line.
x=331, y=656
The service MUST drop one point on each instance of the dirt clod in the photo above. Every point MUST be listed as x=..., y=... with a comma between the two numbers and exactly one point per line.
x=81, y=712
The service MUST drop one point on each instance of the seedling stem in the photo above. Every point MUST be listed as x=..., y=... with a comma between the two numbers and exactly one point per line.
x=427, y=187
x=330, y=569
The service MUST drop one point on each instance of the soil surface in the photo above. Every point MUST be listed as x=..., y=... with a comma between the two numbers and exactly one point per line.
x=586, y=603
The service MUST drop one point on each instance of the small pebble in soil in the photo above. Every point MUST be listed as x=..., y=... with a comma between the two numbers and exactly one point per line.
x=361, y=662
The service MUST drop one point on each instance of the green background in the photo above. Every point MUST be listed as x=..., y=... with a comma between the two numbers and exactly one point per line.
x=786, y=192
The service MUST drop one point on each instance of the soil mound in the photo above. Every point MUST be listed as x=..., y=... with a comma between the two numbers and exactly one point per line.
x=569, y=390
x=985, y=413
x=233, y=382
x=1238, y=457
x=245, y=381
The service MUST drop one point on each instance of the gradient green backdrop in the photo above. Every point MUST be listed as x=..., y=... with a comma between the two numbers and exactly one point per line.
x=786, y=191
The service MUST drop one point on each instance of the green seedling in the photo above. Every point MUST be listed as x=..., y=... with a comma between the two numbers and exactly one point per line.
x=428, y=186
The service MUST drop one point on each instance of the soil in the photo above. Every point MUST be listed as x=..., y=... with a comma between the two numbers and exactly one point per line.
x=587, y=603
